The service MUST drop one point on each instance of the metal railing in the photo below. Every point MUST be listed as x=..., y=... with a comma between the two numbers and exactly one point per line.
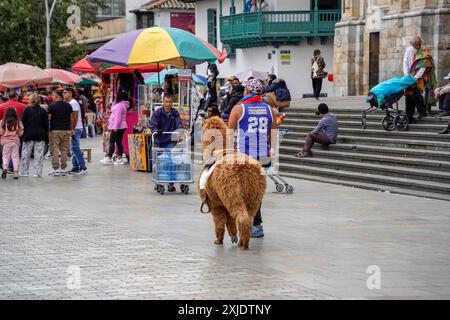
x=279, y=23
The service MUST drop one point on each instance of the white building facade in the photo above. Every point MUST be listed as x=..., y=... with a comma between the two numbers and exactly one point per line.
x=167, y=13
x=279, y=38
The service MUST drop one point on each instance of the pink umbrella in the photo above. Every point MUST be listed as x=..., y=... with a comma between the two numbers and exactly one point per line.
x=15, y=75
x=63, y=76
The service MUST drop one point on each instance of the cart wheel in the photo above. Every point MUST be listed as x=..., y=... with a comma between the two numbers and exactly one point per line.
x=364, y=120
x=156, y=188
x=289, y=189
x=279, y=187
x=161, y=191
x=401, y=122
x=388, y=123
x=186, y=189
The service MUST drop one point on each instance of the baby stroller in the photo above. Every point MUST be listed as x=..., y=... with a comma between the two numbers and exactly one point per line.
x=385, y=96
x=280, y=183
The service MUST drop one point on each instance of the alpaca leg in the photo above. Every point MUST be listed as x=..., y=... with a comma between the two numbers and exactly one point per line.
x=220, y=219
x=244, y=227
x=232, y=229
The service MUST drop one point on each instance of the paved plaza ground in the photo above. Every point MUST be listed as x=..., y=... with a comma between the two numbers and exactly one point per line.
x=127, y=242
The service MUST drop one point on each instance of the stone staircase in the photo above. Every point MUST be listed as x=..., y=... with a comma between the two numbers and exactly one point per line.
x=414, y=162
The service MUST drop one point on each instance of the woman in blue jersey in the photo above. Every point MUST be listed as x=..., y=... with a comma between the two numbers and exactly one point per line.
x=254, y=119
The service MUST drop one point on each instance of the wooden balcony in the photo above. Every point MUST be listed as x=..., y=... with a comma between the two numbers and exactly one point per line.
x=275, y=28
x=104, y=31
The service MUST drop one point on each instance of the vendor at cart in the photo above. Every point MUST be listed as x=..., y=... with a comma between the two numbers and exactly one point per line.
x=165, y=119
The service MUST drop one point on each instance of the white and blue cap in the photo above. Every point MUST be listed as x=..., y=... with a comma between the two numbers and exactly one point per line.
x=253, y=86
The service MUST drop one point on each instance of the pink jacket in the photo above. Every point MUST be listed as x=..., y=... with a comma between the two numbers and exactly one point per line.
x=118, y=115
x=7, y=136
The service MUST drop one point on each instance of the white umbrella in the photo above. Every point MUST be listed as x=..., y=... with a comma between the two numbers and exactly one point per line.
x=244, y=75
x=15, y=75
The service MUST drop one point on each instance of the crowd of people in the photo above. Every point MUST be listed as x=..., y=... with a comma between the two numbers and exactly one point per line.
x=32, y=124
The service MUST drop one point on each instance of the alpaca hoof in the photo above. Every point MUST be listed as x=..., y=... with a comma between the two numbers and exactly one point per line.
x=240, y=244
x=244, y=247
x=234, y=239
x=218, y=242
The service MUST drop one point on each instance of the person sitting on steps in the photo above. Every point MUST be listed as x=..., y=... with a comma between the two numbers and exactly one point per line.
x=325, y=133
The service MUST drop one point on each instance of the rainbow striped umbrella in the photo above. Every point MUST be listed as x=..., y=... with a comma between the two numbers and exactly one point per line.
x=172, y=46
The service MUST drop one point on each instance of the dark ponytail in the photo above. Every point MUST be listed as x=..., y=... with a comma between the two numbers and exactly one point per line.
x=10, y=120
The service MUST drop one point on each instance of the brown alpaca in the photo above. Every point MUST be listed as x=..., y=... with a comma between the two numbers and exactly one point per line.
x=235, y=189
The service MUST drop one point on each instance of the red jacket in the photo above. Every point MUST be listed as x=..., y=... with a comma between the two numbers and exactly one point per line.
x=14, y=104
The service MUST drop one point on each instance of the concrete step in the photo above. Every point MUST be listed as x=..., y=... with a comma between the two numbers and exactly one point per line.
x=371, y=149
x=370, y=186
x=337, y=111
x=375, y=125
x=294, y=137
x=357, y=117
x=351, y=155
x=377, y=179
x=381, y=134
x=378, y=150
x=370, y=168
x=353, y=111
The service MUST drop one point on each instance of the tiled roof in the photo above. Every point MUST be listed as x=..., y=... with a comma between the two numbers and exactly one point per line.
x=168, y=4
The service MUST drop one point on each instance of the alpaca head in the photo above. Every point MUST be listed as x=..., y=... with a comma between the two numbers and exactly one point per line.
x=214, y=133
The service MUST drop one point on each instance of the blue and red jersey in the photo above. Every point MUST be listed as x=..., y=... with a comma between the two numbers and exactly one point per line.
x=254, y=127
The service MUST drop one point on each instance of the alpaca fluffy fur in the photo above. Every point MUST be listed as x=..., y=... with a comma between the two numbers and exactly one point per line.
x=234, y=191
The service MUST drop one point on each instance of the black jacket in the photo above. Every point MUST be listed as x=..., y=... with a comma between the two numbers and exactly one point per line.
x=236, y=95
x=35, y=123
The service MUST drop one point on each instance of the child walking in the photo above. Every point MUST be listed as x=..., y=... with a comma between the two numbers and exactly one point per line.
x=11, y=128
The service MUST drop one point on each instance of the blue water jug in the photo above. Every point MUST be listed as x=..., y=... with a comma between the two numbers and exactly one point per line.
x=171, y=168
x=164, y=167
x=180, y=172
x=187, y=170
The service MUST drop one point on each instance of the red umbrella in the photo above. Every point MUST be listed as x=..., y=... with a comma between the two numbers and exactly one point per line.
x=84, y=65
x=64, y=76
x=14, y=75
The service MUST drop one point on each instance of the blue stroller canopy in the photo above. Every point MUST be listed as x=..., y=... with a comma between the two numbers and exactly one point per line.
x=391, y=87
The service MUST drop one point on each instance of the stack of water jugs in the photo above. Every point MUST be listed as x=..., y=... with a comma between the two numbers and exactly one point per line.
x=173, y=165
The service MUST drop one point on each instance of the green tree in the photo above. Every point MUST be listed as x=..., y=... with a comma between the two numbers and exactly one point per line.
x=23, y=31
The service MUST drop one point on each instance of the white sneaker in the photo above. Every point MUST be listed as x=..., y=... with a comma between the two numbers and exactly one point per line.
x=23, y=174
x=83, y=171
x=107, y=161
x=119, y=161
x=36, y=175
x=55, y=172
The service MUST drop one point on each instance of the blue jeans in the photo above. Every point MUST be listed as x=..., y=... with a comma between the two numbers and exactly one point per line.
x=77, y=155
x=90, y=130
